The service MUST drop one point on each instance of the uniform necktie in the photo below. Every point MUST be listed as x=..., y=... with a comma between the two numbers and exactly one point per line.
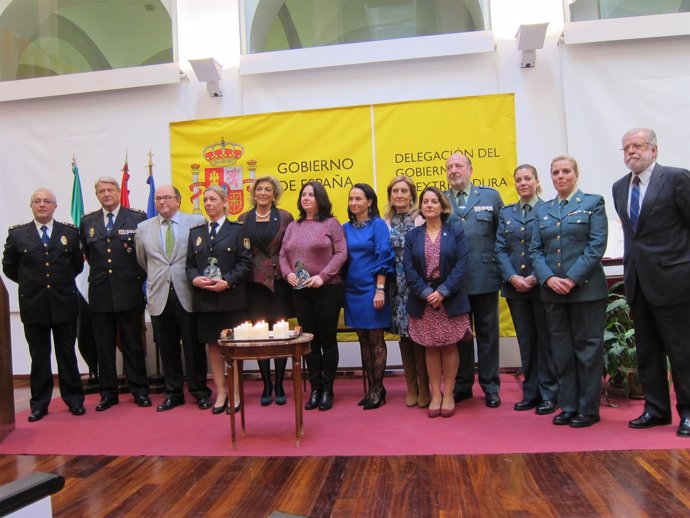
x=214, y=227
x=44, y=235
x=562, y=204
x=461, y=199
x=526, y=209
x=109, y=225
x=169, y=239
x=635, y=202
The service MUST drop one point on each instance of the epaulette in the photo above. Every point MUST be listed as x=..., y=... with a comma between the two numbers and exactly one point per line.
x=67, y=224
x=19, y=225
x=199, y=225
x=235, y=222
x=509, y=205
x=139, y=211
x=90, y=213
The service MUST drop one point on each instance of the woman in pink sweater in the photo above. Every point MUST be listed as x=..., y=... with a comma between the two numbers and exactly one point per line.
x=317, y=242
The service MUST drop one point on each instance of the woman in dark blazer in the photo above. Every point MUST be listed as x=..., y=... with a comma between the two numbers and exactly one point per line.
x=435, y=263
x=515, y=224
x=566, y=252
x=218, y=302
x=269, y=295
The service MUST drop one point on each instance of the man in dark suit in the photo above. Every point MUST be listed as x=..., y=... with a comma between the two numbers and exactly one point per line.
x=477, y=208
x=161, y=247
x=653, y=203
x=43, y=257
x=116, y=296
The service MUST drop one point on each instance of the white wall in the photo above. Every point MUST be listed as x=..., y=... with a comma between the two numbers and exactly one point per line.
x=579, y=100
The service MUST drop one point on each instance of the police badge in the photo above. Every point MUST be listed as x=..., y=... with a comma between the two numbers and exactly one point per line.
x=247, y=244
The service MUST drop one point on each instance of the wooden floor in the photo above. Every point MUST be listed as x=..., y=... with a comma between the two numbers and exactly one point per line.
x=616, y=483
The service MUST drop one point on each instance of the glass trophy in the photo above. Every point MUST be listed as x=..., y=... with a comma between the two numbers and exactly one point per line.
x=302, y=275
x=212, y=271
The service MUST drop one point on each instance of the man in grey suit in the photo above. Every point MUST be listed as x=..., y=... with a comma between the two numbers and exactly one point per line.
x=477, y=209
x=161, y=247
x=653, y=203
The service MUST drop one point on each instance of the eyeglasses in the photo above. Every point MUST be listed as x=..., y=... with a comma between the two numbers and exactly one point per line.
x=164, y=198
x=38, y=201
x=636, y=147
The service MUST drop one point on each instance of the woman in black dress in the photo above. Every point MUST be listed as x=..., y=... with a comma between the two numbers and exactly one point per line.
x=268, y=294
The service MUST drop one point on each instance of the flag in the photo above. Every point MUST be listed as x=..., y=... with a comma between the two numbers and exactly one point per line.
x=77, y=207
x=124, y=189
x=151, y=207
x=86, y=341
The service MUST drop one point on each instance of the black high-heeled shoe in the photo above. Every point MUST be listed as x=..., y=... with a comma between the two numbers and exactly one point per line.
x=371, y=404
x=326, y=402
x=238, y=407
x=267, y=395
x=280, y=395
x=220, y=409
x=314, y=399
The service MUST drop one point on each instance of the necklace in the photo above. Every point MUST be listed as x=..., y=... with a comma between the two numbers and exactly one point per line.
x=262, y=216
x=363, y=224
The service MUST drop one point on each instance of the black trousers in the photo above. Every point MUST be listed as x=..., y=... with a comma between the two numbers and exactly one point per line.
x=484, y=314
x=661, y=332
x=105, y=327
x=41, y=377
x=317, y=311
x=576, y=330
x=529, y=320
x=173, y=325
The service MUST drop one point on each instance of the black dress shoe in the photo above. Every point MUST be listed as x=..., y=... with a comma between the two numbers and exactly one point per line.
x=37, y=415
x=77, y=410
x=647, y=420
x=169, y=403
x=563, y=418
x=326, y=401
x=684, y=428
x=220, y=409
x=314, y=399
x=546, y=407
x=142, y=400
x=204, y=403
x=459, y=395
x=583, y=421
x=492, y=400
x=106, y=402
x=525, y=404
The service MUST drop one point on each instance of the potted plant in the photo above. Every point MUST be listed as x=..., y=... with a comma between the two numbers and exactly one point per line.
x=620, y=354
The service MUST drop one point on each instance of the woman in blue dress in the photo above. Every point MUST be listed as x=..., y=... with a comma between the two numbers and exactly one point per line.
x=370, y=261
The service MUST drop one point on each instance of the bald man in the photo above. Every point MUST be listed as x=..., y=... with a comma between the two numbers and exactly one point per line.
x=44, y=256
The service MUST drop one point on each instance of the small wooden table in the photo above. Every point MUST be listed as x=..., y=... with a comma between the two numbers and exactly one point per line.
x=294, y=348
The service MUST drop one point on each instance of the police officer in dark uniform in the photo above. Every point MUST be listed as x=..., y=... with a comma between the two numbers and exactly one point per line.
x=43, y=257
x=219, y=259
x=477, y=208
x=116, y=297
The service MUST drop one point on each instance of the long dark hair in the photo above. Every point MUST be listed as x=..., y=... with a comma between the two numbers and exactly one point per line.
x=322, y=202
x=369, y=194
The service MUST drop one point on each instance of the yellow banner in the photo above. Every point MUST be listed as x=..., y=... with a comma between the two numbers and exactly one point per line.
x=342, y=146
x=331, y=146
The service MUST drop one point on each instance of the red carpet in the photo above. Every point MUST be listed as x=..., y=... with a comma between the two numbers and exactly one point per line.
x=345, y=430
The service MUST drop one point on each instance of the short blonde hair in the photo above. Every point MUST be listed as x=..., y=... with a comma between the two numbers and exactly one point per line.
x=569, y=159
x=277, y=188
